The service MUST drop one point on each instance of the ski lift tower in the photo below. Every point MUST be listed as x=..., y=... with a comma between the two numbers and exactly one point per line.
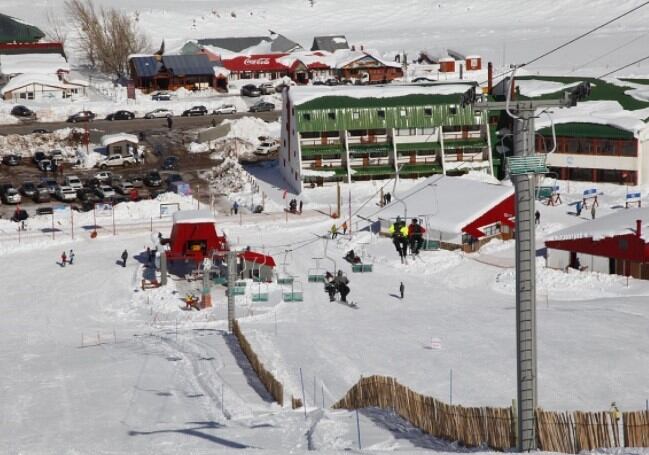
x=523, y=167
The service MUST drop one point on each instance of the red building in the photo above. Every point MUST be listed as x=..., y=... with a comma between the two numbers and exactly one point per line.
x=614, y=244
x=194, y=236
x=257, y=66
x=257, y=266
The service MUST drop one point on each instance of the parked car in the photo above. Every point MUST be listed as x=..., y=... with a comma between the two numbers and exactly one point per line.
x=40, y=131
x=136, y=180
x=105, y=191
x=73, y=182
x=12, y=160
x=317, y=82
x=225, y=109
x=267, y=88
x=46, y=165
x=28, y=189
x=104, y=176
x=266, y=148
x=39, y=155
x=56, y=155
x=161, y=96
x=262, y=106
x=172, y=178
x=250, y=90
x=42, y=194
x=195, y=110
x=51, y=184
x=116, y=160
x=159, y=113
x=170, y=163
x=82, y=116
x=124, y=187
x=153, y=179
x=23, y=112
x=91, y=183
x=332, y=81
x=44, y=211
x=19, y=215
x=87, y=196
x=121, y=115
x=423, y=79
x=66, y=194
x=10, y=195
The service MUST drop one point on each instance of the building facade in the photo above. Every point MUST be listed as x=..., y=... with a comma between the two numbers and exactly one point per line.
x=353, y=133
x=170, y=72
x=597, y=153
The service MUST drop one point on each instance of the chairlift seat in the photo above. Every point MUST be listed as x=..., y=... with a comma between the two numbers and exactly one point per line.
x=532, y=164
x=260, y=296
x=430, y=245
x=316, y=276
x=293, y=296
x=362, y=268
x=285, y=280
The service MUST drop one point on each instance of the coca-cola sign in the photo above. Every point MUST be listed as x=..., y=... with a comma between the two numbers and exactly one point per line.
x=257, y=61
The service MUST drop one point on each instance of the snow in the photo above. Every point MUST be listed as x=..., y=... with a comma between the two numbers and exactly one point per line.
x=50, y=80
x=193, y=216
x=534, y=87
x=33, y=63
x=620, y=222
x=303, y=94
x=109, y=139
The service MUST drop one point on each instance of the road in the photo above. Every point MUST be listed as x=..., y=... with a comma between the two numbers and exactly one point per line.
x=138, y=124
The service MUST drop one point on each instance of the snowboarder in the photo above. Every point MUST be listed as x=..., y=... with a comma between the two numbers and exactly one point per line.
x=537, y=217
x=342, y=285
x=344, y=226
x=64, y=259
x=578, y=208
x=593, y=211
x=415, y=236
x=402, y=289
x=71, y=257
x=334, y=231
x=124, y=257
x=170, y=122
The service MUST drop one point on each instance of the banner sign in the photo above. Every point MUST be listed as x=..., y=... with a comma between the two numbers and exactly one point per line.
x=591, y=192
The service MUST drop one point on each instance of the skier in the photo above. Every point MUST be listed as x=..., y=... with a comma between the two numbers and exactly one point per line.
x=124, y=257
x=402, y=289
x=399, y=233
x=71, y=257
x=388, y=198
x=330, y=287
x=578, y=208
x=415, y=236
x=342, y=285
x=235, y=208
x=64, y=259
x=334, y=231
x=344, y=226
x=537, y=217
x=593, y=210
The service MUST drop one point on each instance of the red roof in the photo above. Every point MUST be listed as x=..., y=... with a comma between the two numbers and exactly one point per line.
x=258, y=258
x=259, y=62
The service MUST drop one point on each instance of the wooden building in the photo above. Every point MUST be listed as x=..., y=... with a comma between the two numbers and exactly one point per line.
x=170, y=72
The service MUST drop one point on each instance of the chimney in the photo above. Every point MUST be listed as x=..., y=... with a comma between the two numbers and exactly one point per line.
x=490, y=77
x=638, y=228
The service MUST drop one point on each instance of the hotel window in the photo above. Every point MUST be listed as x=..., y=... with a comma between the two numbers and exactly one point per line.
x=428, y=111
x=381, y=113
x=356, y=115
x=403, y=113
x=331, y=115
x=491, y=230
x=306, y=117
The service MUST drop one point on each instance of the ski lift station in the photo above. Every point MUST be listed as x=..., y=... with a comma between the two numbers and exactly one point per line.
x=257, y=266
x=457, y=212
x=194, y=236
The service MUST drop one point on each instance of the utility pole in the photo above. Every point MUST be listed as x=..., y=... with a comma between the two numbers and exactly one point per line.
x=232, y=277
x=523, y=168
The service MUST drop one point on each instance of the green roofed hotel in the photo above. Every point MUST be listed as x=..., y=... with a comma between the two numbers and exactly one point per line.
x=351, y=133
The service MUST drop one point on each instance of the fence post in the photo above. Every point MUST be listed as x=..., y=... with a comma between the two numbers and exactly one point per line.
x=303, y=396
x=358, y=430
x=515, y=422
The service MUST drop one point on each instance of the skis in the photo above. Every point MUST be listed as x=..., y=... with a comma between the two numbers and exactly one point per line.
x=349, y=303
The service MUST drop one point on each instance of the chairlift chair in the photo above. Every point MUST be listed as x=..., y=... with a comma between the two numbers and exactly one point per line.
x=317, y=273
x=259, y=296
x=365, y=266
x=283, y=277
x=295, y=293
x=430, y=244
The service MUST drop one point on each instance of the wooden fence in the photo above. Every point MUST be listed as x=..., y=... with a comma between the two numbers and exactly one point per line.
x=566, y=432
x=471, y=427
x=274, y=387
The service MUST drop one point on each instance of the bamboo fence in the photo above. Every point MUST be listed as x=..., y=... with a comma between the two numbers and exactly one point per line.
x=636, y=428
x=274, y=387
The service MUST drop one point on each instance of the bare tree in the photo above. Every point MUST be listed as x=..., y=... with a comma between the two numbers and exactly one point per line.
x=106, y=36
x=56, y=28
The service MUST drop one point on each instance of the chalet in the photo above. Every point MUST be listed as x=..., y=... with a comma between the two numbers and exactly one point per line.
x=14, y=30
x=43, y=87
x=366, y=67
x=457, y=212
x=331, y=43
x=613, y=244
x=194, y=236
x=470, y=62
x=349, y=133
x=170, y=72
x=218, y=49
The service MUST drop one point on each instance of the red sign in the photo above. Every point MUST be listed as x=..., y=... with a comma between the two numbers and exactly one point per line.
x=130, y=90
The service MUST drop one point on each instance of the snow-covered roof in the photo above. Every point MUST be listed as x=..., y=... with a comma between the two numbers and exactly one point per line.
x=448, y=203
x=620, y=222
x=193, y=216
x=33, y=63
x=302, y=94
x=50, y=80
x=109, y=139
x=609, y=113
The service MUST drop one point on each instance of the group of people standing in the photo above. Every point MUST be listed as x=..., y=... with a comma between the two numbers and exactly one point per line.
x=67, y=258
x=338, y=283
x=293, y=206
x=404, y=237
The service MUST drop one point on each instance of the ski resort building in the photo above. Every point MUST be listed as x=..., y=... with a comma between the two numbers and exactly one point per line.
x=170, y=72
x=350, y=133
x=613, y=244
x=218, y=49
x=42, y=87
x=193, y=236
x=598, y=152
x=14, y=30
x=457, y=212
x=119, y=143
x=257, y=266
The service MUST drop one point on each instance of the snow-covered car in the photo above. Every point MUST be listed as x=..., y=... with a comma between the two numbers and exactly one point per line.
x=159, y=113
x=116, y=160
x=266, y=148
x=105, y=191
x=73, y=182
x=104, y=176
x=66, y=194
x=225, y=109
